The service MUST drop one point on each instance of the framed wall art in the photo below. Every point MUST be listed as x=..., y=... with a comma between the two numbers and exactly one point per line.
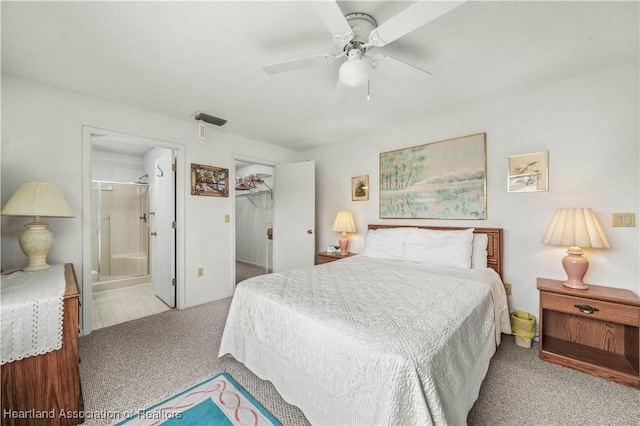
x=360, y=188
x=528, y=172
x=210, y=181
x=439, y=180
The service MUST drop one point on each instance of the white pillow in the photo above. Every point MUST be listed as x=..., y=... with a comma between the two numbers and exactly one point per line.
x=444, y=248
x=387, y=243
x=479, y=251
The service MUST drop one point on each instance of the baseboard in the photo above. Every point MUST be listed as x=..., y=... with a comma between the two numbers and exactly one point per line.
x=119, y=283
x=257, y=265
x=213, y=299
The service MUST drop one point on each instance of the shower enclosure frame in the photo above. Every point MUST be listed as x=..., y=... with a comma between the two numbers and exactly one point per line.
x=99, y=230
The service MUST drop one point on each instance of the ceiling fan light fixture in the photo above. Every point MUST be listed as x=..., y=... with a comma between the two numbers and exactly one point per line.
x=355, y=71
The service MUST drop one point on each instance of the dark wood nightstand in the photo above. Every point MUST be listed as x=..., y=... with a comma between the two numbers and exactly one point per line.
x=326, y=257
x=596, y=331
x=49, y=382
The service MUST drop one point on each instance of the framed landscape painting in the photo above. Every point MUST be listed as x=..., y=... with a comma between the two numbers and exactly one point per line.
x=210, y=181
x=440, y=180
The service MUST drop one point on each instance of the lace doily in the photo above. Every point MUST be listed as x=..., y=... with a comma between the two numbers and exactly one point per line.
x=31, y=313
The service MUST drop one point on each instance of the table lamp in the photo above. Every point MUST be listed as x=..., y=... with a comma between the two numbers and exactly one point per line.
x=344, y=223
x=36, y=199
x=575, y=228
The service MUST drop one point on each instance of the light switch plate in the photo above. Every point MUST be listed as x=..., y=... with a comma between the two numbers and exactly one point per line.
x=623, y=220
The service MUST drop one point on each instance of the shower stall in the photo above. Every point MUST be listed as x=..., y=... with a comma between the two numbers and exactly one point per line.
x=120, y=233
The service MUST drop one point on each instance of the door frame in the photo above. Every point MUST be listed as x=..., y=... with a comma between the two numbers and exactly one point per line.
x=85, y=271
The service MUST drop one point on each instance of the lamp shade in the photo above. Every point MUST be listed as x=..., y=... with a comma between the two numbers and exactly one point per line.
x=37, y=199
x=344, y=222
x=575, y=227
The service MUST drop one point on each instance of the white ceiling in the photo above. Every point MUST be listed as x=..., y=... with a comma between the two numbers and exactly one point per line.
x=176, y=58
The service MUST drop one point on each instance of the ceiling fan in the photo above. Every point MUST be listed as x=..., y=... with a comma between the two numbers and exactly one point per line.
x=355, y=33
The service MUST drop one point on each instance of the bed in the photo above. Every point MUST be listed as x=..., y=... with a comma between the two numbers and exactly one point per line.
x=386, y=337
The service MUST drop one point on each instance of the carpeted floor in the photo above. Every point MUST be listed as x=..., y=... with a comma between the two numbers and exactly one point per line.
x=133, y=365
x=247, y=270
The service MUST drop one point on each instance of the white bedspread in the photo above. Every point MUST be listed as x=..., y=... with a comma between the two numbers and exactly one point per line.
x=369, y=341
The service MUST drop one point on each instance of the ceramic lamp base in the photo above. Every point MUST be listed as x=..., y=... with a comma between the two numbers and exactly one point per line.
x=35, y=243
x=343, y=242
x=575, y=265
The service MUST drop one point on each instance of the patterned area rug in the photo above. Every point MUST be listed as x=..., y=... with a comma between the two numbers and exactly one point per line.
x=219, y=400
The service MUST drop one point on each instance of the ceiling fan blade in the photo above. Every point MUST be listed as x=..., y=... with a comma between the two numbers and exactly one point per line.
x=295, y=64
x=413, y=17
x=333, y=18
x=399, y=70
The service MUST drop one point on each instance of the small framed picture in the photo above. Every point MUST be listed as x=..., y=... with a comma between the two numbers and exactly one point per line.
x=529, y=172
x=210, y=181
x=360, y=188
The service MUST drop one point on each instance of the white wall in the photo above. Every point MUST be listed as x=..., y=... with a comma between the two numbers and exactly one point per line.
x=42, y=139
x=116, y=167
x=588, y=123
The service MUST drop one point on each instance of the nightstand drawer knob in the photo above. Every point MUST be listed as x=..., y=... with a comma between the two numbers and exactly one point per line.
x=586, y=309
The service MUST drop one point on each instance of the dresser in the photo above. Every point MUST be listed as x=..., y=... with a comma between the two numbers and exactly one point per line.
x=596, y=331
x=49, y=384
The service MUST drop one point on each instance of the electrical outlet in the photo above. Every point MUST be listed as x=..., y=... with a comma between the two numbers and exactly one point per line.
x=200, y=272
x=507, y=288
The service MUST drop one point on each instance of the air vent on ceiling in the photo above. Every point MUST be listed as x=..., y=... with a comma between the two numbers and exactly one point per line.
x=210, y=119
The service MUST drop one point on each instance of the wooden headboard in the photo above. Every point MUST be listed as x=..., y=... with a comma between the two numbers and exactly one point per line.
x=494, y=247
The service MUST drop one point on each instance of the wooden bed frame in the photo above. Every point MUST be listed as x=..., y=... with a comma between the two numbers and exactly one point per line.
x=494, y=246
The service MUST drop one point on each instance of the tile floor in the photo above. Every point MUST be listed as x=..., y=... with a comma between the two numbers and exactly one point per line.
x=124, y=304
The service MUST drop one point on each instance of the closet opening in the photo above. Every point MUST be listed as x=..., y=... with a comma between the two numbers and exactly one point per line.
x=254, y=219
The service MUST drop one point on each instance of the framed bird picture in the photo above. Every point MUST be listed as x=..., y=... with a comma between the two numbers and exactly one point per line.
x=529, y=172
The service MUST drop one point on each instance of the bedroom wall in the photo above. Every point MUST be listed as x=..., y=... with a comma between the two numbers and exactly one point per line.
x=588, y=123
x=42, y=139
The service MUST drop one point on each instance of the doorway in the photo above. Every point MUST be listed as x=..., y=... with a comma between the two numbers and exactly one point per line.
x=286, y=232
x=130, y=273
x=254, y=219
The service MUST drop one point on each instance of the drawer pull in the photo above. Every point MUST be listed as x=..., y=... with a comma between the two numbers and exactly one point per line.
x=586, y=309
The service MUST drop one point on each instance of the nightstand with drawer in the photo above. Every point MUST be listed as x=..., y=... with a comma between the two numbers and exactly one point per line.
x=47, y=383
x=596, y=331
x=326, y=257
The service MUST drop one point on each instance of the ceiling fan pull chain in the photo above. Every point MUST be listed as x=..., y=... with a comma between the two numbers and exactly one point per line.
x=368, y=90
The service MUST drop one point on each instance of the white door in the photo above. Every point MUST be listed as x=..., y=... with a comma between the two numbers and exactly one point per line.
x=163, y=234
x=294, y=216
